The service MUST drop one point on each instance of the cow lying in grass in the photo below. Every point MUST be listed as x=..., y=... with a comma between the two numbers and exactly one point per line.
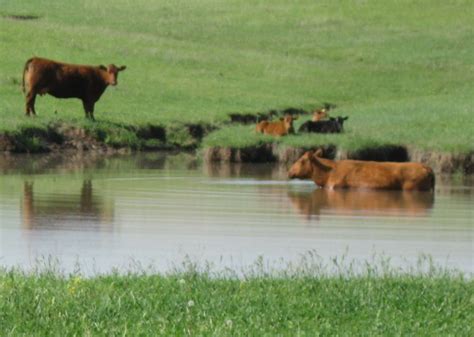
x=62, y=80
x=319, y=115
x=333, y=125
x=279, y=128
x=362, y=174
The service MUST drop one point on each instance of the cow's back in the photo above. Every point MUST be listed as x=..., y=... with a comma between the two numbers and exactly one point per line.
x=361, y=174
x=275, y=129
x=305, y=127
x=320, y=127
x=381, y=175
x=261, y=126
x=39, y=73
x=60, y=79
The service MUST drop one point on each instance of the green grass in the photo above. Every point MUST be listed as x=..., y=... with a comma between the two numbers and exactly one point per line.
x=401, y=70
x=196, y=302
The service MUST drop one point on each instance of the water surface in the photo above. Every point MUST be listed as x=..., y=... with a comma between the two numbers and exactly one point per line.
x=105, y=213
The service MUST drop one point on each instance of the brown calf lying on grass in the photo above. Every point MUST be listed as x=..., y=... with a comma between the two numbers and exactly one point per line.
x=319, y=115
x=261, y=125
x=62, y=80
x=280, y=128
x=362, y=174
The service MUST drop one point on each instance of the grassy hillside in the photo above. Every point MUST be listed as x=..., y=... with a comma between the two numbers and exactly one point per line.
x=401, y=70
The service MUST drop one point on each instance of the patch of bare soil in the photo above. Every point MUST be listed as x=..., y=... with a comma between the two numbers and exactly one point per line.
x=440, y=162
x=63, y=136
x=21, y=17
x=444, y=162
x=185, y=137
x=257, y=154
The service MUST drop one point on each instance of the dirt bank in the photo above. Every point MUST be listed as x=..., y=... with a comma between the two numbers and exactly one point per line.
x=441, y=162
x=104, y=137
x=113, y=138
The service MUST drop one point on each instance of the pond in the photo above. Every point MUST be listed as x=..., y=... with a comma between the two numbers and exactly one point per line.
x=103, y=213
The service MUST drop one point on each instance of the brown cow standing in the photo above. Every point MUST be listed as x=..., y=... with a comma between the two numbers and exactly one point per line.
x=278, y=128
x=362, y=174
x=62, y=80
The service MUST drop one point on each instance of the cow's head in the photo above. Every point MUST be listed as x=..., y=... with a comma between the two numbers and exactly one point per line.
x=341, y=119
x=308, y=166
x=112, y=71
x=339, y=123
x=288, y=122
x=319, y=115
x=302, y=168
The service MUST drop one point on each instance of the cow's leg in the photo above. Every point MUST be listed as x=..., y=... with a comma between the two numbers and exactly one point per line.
x=88, y=108
x=91, y=111
x=408, y=186
x=30, y=103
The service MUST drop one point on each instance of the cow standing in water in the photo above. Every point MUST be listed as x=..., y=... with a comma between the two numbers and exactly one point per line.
x=62, y=80
x=362, y=174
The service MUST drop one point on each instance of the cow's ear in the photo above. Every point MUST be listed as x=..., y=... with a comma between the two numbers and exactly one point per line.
x=102, y=67
x=282, y=118
x=122, y=68
x=318, y=153
x=345, y=118
x=322, y=166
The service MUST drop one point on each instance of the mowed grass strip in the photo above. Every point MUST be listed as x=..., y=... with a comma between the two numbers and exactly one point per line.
x=401, y=70
x=195, y=303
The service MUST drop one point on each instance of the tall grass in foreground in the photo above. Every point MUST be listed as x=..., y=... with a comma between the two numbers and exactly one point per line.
x=307, y=300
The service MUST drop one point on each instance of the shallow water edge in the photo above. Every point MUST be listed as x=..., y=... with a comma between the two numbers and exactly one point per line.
x=106, y=212
x=110, y=140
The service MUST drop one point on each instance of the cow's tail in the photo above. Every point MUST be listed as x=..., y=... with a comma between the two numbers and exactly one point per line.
x=25, y=69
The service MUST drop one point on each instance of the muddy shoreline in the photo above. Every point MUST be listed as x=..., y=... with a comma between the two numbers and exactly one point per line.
x=187, y=137
x=441, y=162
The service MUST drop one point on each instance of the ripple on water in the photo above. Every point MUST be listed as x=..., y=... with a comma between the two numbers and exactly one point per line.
x=123, y=209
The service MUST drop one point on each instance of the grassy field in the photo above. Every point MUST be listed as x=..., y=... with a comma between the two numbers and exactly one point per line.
x=402, y=71
x=198, y=303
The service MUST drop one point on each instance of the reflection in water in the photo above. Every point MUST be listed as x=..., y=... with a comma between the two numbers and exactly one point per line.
x=91, y=161
x=362, y=202
x=66, y=210
x=104, y=210
x=255, y=171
